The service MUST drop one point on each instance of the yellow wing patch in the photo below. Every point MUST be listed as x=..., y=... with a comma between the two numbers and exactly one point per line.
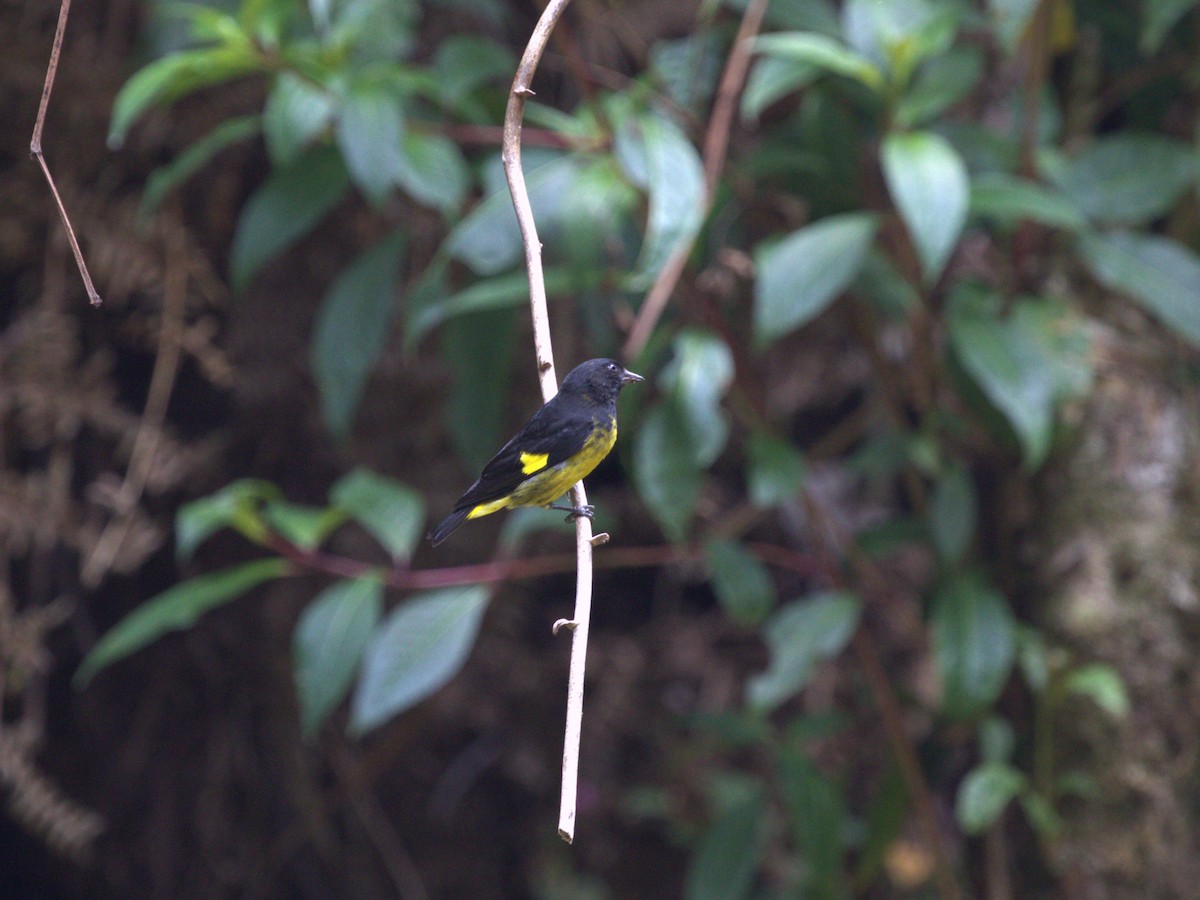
x=533, y=462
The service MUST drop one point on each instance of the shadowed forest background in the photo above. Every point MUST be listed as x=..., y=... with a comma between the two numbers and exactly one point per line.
x=902, y=593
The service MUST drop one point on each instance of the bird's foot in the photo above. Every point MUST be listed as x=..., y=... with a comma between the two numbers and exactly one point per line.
x=575, y=512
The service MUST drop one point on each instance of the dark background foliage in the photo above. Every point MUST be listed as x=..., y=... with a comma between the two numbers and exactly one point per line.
x=901, y=598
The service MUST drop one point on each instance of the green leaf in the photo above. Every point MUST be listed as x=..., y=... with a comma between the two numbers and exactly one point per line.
x=419, y=647
x=665, y=469
x=171, y=77
x=488, y=239
x=802, y=274
x=1103, y=685
x=370, y=134
x=741, y=583
x=1033, y=659
x=465, y=62
x=985, y=793
x=775, y=471
x=928, y=182
x=304, y=526
x=1127, y=179
x=297, y=111
x=1008, y=200
x=772, y=79
x=974, y=644
x=328, y=644
x=195, y=158
x=939, y=84
x=433, y=171
x=698, y=375
x=285, y=207
x=952, y=513
x=175, y=609
x=996, y=740
x=1158, y=18
x=393, y=513
x=818, y=814
x=824, y=53
x=668, y=167
x=352, y=327
x=234, y=506
x=1010, y=19
x=1160, y=274
x=1014, y=362
x=723, y=864
x=800, y=636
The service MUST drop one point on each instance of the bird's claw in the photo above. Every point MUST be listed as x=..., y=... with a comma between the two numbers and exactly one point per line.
x=577, y=512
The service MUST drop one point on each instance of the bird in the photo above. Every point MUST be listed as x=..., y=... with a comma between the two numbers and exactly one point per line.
x=560, y=444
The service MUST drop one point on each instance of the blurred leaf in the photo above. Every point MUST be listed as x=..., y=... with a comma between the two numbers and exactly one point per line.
x=175, y=75
x=352, y=327
x=799, y=636
x=1032, y=657
x=163, y=180
x=285, y=207
x=488, y=238
x=742, y=584
x=939, y=84
x=722, y=866
x=818, y=813
x=1103, y=685
x=928, y=181
x=479, y=349
x=370, y=134
x=1009, y=200
x=772, y=79
x=899, y=36
x=824, y=53
x=417, y=649
x=974, y=644
x=688, y=67
x=775, y=471
x=952, y=513
x=305, y=526
x=880, y=284
x=466, y=62
x=328, y=644
x=985, y=793
x=1011, y=20
x=433, y=171
x=673, y=177
x=234, y=506
x=500, y=292
x=698, y=375
x=1127, y=179
x=1008, y=360
x=1160, y=274
x=1158, y=18
x=393, y=513
x=996, y=740
x=802, y=274
x=296, y=112
x=175, y=609
x=1041, y=814
x=665, y=469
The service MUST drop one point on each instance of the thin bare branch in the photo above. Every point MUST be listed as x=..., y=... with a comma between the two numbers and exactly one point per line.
x=716, y=146
x=35, y=150
x=511, y=154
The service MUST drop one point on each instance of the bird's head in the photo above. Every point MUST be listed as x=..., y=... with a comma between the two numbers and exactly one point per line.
x=599, y=379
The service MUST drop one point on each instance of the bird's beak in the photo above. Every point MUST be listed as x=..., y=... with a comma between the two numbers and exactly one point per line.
x=629, y=377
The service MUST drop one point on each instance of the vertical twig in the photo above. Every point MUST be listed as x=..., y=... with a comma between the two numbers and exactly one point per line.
x=35, y=150
x=511, y=154
x=716, y=146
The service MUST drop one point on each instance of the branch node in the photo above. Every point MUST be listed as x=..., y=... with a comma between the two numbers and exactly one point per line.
x=602, y=538
x=569, y=624
x=522, y=91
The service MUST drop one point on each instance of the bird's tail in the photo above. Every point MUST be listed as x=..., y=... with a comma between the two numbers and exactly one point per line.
x=448, y=524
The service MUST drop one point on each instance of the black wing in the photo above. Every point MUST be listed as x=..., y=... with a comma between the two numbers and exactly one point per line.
x=557, y=430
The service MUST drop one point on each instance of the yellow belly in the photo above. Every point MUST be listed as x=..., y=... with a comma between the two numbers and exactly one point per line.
x=548, y=485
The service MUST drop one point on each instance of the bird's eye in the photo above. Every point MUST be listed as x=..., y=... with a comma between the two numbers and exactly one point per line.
x=612, y=367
